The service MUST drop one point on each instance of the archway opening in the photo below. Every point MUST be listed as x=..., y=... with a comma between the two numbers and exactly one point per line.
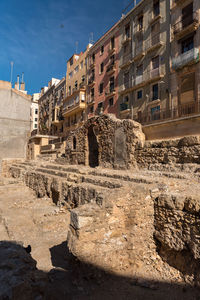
x=93, y=148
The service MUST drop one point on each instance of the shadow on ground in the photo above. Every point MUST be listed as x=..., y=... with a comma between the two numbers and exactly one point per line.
x=74, y=280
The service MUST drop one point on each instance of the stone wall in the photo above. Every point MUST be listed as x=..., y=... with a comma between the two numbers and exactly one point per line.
x=105, y=141
x=169, y=152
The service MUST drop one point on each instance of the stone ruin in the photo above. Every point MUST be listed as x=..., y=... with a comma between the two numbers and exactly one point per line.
x=142, y=220
x=105, y=141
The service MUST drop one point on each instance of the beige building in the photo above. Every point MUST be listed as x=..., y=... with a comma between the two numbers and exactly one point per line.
x=185, y=45
x=144, y=64
x=74, y=106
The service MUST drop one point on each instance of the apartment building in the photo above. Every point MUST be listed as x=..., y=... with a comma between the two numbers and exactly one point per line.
x=74, y=105
x=57, y=119
x=45, y=107
x=102, y=74
x=144, y=61
x=185, y=45
x=34, y=111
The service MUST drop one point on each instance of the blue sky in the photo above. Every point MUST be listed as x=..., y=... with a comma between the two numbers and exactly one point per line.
x=40, y=35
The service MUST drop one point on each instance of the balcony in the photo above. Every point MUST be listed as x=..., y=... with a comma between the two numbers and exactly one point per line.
x=90, y=100
x=111, y=68
x=153, y=42
x=82, y=85
x=186, y=25
x=187, y=58
x=126, y=60
x=181, y=111
x=153, y=75
x=126, y=85
x=110, y=91
x=126, y=39
x=138, y=29
x=154, y=17
x=139, y=52
x=91, y=80
x=74, y=107
x=111, y=50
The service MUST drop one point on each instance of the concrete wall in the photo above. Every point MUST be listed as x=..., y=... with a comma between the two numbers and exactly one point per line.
x=14, y=122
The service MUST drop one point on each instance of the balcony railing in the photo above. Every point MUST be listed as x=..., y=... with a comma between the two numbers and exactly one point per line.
x=110, y=90
x=126, y=58
x=189, y=57
x=90, y=99
x=182, y=110
x=139, y=49
x=153, y=41
x=110, y=68
x=91, y=80
x=185, y=22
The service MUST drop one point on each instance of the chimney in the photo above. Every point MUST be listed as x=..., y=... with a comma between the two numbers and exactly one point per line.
x=17, y=83
x=22, y=85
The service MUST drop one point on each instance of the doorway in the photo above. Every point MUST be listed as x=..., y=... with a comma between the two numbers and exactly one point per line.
x=93, y=148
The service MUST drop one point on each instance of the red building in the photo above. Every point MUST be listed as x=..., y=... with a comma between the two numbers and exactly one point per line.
x=102, y=74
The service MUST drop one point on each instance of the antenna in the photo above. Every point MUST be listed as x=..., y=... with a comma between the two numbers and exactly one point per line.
x=91, y=39
x=11, y=71
x=76, y=47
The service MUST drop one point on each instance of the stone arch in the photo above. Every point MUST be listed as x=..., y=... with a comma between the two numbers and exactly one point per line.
x=74, y=143
x=93, y=148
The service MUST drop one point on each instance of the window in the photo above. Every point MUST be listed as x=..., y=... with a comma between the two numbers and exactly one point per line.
x=102, y=49
x=92, y=92
x=101, y=67
x=112, y=59
x=187, y=15
x=76, y=85
x=101, y=88
x=127, y=31
x=139, y=94
x=100, y=105
x=35, y=125
x=70, y=89
x=110, y=101
x=155, y=62
x=187, y=44
x=155, y=113
x=83, y=78
x=112, y=84
x=70, y=75
x=112, y=43
x=155, y=92
x=36, y=119
x=81, y=64
x=76, y=69
x=93, y=58
x=71, y=61
x=91, y=109
x=36, y=111
x=126, y=99
x=156, y=8
x=140, y=23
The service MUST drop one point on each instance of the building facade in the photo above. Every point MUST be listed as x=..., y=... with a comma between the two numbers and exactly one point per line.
x=102, y=74
x=185, y=46
x=34, y=111
x=45, y=107
x=57, y=119
x=144, y=61
x=74, y=106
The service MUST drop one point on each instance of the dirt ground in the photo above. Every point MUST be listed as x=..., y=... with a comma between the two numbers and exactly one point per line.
x=40, y=223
